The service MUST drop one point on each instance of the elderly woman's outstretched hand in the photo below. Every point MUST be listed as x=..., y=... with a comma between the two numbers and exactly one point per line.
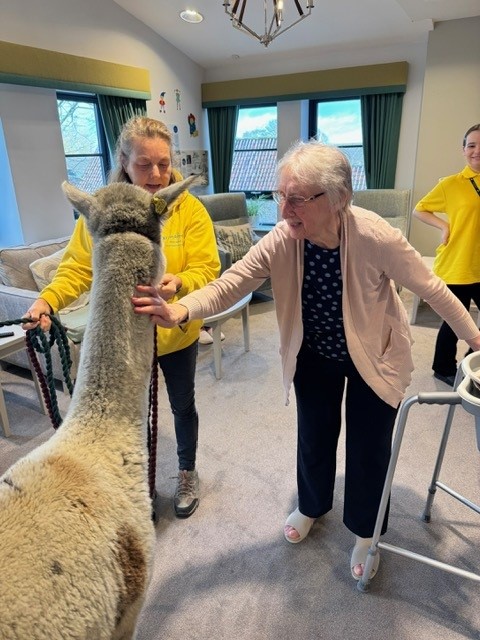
x=148, y=301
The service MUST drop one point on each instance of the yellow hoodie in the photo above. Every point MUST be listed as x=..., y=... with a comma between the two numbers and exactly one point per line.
x=189, y=245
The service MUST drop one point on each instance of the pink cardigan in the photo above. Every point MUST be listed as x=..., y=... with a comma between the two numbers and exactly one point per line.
x=374, y=257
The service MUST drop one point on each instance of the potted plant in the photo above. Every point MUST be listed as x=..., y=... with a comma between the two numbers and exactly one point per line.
x=254, y=207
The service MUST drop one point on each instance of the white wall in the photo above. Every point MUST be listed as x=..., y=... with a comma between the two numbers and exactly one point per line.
x=451, y=104
x=34, y=147
x=28, y=117
x=10, y=228
x=103, y=30
x=292, y=124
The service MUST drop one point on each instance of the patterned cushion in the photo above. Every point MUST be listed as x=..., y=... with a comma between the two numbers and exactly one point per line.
x=43, y=271
x=235, y=239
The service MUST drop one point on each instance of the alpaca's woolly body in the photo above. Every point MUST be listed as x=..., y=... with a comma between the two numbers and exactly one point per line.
x=76, y=535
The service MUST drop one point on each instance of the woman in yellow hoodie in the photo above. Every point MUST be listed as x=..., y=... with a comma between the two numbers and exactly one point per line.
x=144, y=158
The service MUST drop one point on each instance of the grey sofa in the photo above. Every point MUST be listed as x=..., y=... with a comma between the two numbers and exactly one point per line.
x=18, y=289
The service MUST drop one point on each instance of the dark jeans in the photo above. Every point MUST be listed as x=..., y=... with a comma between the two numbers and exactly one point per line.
x=445, y=358
x=178, y=369
x=319, y=387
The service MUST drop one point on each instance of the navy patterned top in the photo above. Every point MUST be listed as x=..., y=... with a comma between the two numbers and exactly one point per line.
x=322, y=302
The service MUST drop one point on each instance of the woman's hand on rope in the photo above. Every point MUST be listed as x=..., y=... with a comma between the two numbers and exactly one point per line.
x=148, y=301
x=39, y=312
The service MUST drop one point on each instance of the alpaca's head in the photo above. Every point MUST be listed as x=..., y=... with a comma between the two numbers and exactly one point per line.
x=122, y=207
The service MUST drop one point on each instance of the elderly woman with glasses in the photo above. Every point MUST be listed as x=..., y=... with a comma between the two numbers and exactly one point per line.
x=344, y=332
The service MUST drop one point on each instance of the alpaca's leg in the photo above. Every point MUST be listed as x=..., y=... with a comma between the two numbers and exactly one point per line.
x=126, y=628
x=127, y=633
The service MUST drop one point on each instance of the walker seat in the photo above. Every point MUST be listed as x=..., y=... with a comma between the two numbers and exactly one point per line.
x=469, y=389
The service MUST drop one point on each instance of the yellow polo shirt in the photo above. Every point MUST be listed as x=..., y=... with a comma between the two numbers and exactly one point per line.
x=457, y=262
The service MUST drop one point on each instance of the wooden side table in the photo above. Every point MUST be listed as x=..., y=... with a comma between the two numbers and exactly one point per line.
x=216, y=321
x=8, y=346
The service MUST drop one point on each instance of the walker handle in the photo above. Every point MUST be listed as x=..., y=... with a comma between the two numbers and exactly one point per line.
x=439, y=397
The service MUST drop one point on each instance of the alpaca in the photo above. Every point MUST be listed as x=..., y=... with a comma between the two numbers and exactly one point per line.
x=76, y=533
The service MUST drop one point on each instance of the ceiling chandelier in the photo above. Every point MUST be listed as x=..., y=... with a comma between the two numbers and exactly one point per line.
x=274, y=25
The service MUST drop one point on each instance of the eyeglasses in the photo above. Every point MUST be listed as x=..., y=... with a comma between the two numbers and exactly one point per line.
x=296, y=202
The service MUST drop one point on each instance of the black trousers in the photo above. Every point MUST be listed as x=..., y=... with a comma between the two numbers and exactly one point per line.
x=319, y=387
x=445, y=358
x=178, y=369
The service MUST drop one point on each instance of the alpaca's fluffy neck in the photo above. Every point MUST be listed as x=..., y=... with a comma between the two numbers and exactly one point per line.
x=117, y=349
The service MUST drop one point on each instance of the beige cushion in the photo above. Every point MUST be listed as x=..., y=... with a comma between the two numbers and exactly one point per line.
x=43, y=271
x=235, y=239
x=15, y=262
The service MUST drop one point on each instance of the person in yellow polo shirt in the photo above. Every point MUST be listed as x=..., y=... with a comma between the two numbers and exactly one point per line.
x=144, y=158
x=457, y=259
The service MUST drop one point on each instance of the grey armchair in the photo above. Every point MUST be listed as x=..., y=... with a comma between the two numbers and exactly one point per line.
x=230, y=210
x=391, y=204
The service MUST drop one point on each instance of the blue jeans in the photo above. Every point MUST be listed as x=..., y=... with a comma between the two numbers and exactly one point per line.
x=178, y=369
x=319, y=387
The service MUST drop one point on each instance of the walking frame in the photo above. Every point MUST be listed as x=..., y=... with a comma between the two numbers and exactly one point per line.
x=466, y=393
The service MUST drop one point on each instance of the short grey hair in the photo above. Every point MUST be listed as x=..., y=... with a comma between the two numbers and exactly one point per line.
x=319, y=165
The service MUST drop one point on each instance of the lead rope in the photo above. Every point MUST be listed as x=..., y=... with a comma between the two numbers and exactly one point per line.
x=36, y=342
x=152, y=425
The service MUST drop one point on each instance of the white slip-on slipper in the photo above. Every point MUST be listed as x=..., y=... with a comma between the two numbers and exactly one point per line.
x=205, y=337
x=302, y=524
x=359, y=556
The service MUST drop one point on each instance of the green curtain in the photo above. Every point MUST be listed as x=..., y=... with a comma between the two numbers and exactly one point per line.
x=222, y=127
x=381, y=117
x=115, y=112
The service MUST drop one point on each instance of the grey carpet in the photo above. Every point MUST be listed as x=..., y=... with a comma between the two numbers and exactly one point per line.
x=227, y=573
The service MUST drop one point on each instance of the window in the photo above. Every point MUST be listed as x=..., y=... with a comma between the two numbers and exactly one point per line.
x=339, y=122
x=84, y=141
x=255, y=160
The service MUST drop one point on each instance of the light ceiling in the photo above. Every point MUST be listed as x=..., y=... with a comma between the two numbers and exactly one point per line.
x=333, y=25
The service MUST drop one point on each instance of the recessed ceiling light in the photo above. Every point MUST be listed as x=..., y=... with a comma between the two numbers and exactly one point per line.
x=190, y=15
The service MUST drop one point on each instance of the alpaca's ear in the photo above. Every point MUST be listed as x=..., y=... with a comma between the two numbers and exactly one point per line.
x=163, y=198
x=83, y=202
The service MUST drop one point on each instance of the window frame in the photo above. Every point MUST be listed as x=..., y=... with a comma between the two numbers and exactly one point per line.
x=312, y=127
x=103, y=152
x=256, y=194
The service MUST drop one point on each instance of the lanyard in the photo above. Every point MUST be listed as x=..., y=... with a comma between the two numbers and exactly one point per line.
x=475, y=186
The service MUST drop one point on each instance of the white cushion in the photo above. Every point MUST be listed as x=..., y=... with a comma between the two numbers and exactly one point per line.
x=43, y=271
